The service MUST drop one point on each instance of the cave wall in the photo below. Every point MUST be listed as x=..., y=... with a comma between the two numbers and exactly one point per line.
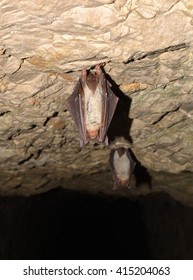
x=147, y=50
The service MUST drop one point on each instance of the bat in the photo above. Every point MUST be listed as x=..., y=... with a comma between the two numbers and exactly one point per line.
x=92, y=105
x=122, y=166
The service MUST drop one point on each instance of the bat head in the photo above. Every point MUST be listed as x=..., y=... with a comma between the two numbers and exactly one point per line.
x=121, y=151
x=121, y=184
x=92, y=134
x=92, y=78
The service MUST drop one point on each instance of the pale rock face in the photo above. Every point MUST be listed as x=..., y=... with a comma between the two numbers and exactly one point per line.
x=147, y=48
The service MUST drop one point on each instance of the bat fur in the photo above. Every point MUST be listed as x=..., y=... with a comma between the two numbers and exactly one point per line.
x=92, y=105
x=122, y=166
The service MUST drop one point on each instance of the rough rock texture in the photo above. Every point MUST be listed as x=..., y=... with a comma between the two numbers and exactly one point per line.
x=147, y=48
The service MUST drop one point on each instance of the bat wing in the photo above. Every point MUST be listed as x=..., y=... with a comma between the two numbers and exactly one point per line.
x=74, y=105
x=132, y=161
x=112, y=104
x=113, y=171
x=109, y=105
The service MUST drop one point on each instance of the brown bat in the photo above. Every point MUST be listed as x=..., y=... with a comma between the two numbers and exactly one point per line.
x=122, y=166
x=92, y=105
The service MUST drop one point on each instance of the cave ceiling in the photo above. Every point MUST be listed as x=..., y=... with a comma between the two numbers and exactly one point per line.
x=146, y=49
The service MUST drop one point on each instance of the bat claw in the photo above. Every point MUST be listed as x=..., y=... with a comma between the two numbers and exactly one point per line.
x=115, y=187
x=81, y=143
x=106, y=141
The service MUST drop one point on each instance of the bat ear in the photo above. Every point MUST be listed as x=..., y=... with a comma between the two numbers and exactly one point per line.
x=98, y=69
x=102, y=64
x=84, y=74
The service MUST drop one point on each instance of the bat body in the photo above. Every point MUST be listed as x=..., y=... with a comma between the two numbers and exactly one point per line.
x=122, y=166
x=92, y=105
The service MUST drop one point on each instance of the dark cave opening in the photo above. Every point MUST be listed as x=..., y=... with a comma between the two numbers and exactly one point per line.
x=63, y=224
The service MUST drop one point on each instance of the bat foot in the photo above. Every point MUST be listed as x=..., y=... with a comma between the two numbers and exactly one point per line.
x=106, y=141
x=115, y=187
x=82, y=143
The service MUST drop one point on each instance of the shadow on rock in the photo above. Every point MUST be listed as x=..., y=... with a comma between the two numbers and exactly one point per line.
x=121, y=123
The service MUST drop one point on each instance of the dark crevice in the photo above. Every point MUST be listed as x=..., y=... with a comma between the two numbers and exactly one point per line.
x=26, y=159
x=32, y=126
x=3, y=113
x=161, y=118
x=18, y=186
x=14, y=135
x=43, y=185
x=10, y=137
x=37, y=153
x=19, y=131
x=165, y=114
x=142, y=55
x=55, y=114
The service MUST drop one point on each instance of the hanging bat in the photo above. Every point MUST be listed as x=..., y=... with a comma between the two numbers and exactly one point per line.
x=92, y=105
x=122, y=166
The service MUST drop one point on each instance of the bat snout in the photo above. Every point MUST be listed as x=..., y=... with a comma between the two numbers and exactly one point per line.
x=123, y=183
x=93, y=134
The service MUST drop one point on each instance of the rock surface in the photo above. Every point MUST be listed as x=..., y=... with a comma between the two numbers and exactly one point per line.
x=147, y=48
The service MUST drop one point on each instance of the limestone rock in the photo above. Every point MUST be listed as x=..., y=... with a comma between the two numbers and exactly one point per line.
x=146, y=47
